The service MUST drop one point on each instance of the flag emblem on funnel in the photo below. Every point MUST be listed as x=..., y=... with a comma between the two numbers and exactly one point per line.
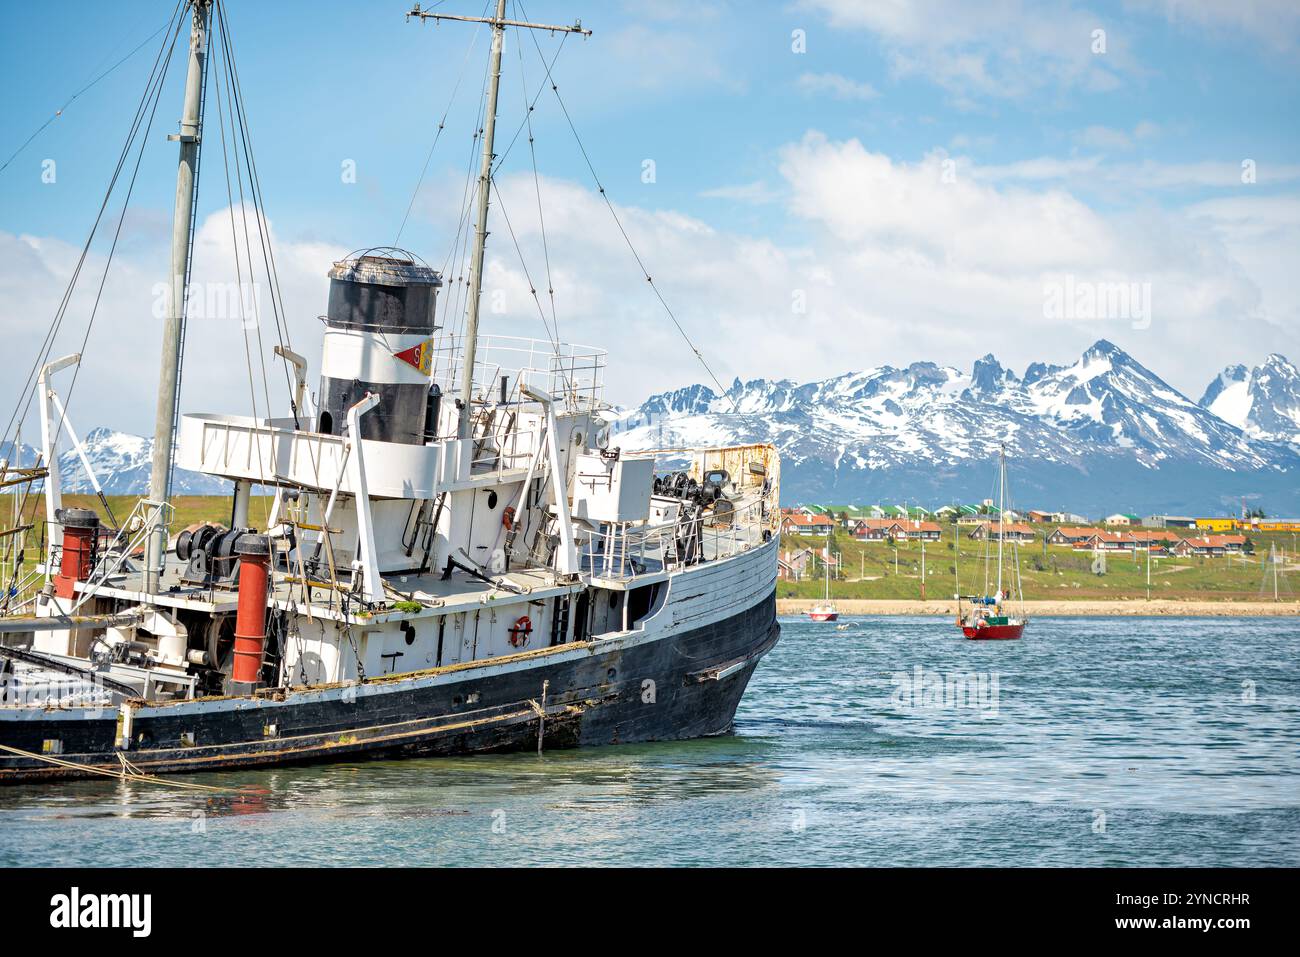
x=420, y=356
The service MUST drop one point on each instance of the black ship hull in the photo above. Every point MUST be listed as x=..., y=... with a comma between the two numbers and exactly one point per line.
x=674, y=685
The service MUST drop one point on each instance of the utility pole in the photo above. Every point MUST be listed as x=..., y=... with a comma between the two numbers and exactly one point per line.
x=923, y=569
x=498, y=23
x=189, y=137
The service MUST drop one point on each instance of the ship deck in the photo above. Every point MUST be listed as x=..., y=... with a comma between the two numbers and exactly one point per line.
x=615, y=563
x=460, y=592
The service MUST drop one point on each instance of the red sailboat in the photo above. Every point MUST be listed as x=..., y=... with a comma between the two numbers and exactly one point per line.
x=988, y=617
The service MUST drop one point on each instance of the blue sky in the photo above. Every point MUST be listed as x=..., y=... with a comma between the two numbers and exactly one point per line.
x=918, y=174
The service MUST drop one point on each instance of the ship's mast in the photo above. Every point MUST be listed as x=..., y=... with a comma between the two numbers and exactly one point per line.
x=182, y=236
x=498, y=23
x=480, y=230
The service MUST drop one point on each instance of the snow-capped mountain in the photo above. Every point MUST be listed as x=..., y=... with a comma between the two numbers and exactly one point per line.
x=1104, y=433
x=120, y=462
x=1264, y=402
x=1101, y=434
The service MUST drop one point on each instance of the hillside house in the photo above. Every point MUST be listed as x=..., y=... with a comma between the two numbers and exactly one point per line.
x=1169, y=521
x=918, y=531
x=1008, y=531
x=1121, y=520
x=876, y=529
x=794, y=564
x=1158, y=539
x=1104, y=541
x=1212, y=545
x=1217, y=524
x=1068, y=536
x=798, y=523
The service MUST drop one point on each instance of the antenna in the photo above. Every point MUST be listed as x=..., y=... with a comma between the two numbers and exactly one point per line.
x=498, y=23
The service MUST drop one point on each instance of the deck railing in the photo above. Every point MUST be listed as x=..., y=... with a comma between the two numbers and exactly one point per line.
x=573, y=374
x=624, y=550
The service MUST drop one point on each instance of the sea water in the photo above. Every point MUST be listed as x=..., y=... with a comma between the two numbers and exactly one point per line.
x=889, y=742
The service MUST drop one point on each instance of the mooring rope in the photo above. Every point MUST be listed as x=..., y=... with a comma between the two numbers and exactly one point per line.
x=128, y=772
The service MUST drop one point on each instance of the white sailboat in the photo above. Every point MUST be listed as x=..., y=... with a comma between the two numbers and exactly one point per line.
x=825, y=610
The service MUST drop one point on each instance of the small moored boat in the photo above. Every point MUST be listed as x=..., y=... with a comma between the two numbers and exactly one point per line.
x=984, y=616
x=825, y=609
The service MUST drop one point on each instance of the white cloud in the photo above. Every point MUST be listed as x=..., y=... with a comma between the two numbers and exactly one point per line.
x=1141, y=176
x=118, y=381
x=833, y=84
x=1275, y=23
x=1004, y=48
x=896, y=262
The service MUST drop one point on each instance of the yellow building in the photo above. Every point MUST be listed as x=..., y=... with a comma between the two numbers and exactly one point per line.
x=1218, y=524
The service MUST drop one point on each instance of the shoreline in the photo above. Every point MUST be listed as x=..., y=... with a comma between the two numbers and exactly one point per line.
x=1058, y=608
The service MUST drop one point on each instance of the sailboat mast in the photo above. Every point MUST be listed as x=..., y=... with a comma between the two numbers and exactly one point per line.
x=182, y=225
x=1002, y=511
x=480, y=231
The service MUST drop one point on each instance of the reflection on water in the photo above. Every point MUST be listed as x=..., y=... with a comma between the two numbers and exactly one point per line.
x=1108, y=741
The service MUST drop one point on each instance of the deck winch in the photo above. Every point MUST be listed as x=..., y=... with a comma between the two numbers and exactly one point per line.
x=211, y=553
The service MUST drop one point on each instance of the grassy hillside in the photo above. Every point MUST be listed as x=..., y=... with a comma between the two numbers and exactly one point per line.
x=189, y=509
x=870, y=571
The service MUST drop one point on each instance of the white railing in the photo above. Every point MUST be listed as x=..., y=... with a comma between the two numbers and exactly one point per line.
x=573, y=374
x=622, y=551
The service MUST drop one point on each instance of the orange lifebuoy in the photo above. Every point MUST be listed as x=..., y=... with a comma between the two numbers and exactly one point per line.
x=508, y=517
x=520, y=631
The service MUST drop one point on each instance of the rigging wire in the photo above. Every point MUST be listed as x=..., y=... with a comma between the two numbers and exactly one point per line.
x=153, y=89
x=458, y=298
x=619, y=223
x=189, y=270
x=222, y=105
x=442, y=123
x=259, y=205
x=532, y=288
x=59, y=112
x=537, y=186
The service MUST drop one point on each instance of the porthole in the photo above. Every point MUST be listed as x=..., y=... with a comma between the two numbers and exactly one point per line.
x=578, y=438
x=492, y=499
